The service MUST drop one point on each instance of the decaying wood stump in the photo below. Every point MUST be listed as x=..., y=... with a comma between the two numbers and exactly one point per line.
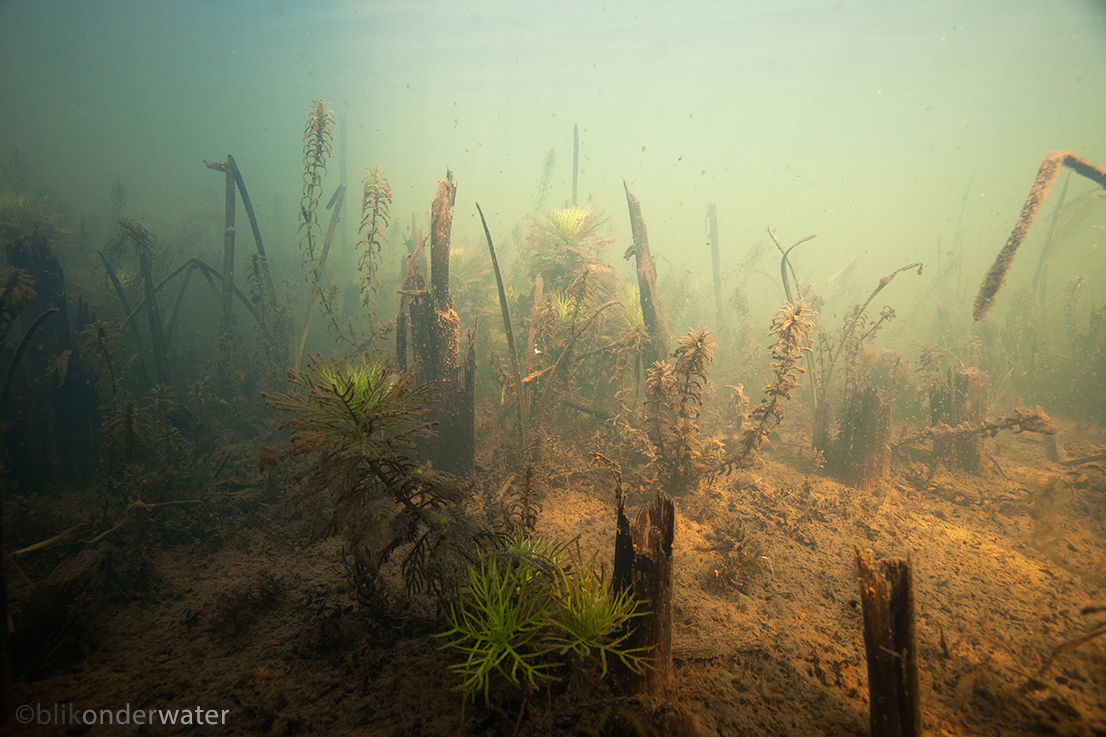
x=643, y=563
x=887, y=597
x=862, y=450
x=963, y=398
x=436, y=343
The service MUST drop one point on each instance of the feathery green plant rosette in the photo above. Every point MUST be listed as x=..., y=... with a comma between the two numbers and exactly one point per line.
x=529, y=606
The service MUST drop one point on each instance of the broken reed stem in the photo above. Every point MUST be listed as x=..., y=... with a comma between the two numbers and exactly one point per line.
x=1046, y=175
x=887, y=597
x=651, y=312
x=441, y=222
x=226, y=328
x=248, y=205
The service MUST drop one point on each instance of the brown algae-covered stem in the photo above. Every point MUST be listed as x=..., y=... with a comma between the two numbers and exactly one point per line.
x=1046, y=175
x=651, y=312
x=441, y=222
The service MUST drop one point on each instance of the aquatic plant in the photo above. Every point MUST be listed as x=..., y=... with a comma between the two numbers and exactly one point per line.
x=376, y=201
x=146, y=248
x=1042, y=185
x=527, y=604
x=561, y=241
x=272, y=317
x=318, y=134
x=100, y=343
x=792, y=326
x=358, y=423
x=20, y=214
x=740, y=556
x=118, y=199
x=17, y=290
x=673, y=398
x=854, y=333
x=546, y=177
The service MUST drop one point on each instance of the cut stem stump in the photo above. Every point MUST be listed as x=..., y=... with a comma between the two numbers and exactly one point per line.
x=648, y=573
x=887, y=597
x=963, y=398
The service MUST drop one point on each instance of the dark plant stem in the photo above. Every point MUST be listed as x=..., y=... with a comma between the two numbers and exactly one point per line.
x=523, y=395
x=122, y=295
x=9, y=377
x=651, y=312
x=575, y=159
x=233, y=166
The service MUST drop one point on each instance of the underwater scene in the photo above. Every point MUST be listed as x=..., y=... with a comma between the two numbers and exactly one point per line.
x=596, y=369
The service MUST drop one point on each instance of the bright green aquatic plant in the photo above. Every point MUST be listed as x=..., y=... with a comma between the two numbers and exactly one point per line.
x=528, y=605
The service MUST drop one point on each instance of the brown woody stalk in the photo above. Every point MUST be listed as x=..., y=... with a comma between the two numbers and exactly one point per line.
x=651, y=312
x=1046, y=175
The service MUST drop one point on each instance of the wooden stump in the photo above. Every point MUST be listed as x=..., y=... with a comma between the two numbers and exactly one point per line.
x=962, y=399
x=435, y=333
x=862, y=451
x=887, y=596
x=647, y=570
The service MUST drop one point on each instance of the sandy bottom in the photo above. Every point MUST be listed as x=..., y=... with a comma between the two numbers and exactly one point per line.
x=229, y=610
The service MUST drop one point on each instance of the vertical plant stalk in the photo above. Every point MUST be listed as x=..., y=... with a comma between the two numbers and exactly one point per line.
x=575, y=160
x=323, y=294
x=715, y=260
x=248, y=206
x=1046, y=175
x=143, y=241
x=157, y=335
x=651, y=312
x=9, y=375
x=786, y=267
x=523, y=395
x=125, y=303
x=413, y=283
x=180, y=299
x=227, y=328
x=317, y=138
x=376, y=201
